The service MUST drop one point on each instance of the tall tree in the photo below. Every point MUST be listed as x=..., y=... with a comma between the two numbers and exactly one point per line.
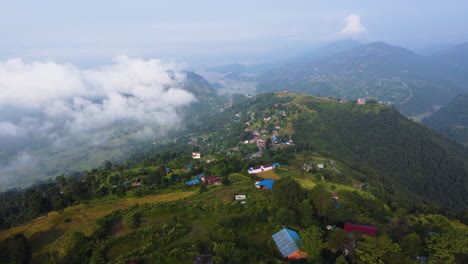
x=312, y=242
x=376, y=250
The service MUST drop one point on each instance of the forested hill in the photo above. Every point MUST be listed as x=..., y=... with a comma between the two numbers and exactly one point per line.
x=389, y=149
x=407, y=153
x=452, y=119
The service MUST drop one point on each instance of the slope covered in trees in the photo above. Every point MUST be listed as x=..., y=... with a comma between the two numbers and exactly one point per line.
x=452, y=119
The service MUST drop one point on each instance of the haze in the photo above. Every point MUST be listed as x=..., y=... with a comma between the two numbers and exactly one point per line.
x=90, y=33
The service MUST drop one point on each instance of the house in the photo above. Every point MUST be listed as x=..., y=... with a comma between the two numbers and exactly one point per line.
x=358, y=185
x=422, y=258
x=240, y=197
x=261, y=168
x=320, y=166
x=361, y=101
x=136, y=184
x=256, y=133
x=199, y=176
x=288, y=242
x=364, y=229
x=192, y=182
x=265, y=184
x=210, y=180
x=307, y=166
x=196, y=155
x=335, y=196
x=261, y=143
x=203, y=259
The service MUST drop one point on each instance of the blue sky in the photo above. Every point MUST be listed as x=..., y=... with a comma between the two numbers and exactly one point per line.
x=206, y=31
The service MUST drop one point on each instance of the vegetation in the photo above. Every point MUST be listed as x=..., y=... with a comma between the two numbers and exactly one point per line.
x=452, y=119
x=383, y=170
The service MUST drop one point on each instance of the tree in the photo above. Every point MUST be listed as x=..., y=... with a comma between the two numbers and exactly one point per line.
x=227, y=252
x=411, y=245
x=305, y=210
x=376, y=250
x=58, y=203
x=202, y=188
x=287, y=193
x=444, y=246
x=338, y=240
x=312, y=242
x=341, y=260
x=36, y=204
x=130, y=221
x=15, y=249
x=321, y=199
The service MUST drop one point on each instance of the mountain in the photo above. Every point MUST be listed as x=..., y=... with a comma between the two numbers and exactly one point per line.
x=455, y=60
x=322, y=52
x=237, y=68
x=452, y=119
x=414, y=84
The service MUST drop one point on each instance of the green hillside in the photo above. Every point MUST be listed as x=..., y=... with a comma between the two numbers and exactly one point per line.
x=389, y=149
x=339, y=163
x=452, y=119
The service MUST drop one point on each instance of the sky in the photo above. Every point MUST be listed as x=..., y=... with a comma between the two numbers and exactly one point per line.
x=89, y=33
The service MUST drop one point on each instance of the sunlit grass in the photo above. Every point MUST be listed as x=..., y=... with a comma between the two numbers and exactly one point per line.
x=52, y=233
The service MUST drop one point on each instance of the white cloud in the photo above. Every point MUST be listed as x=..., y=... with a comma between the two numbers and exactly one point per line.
x=353, y=26
x=59, y=106
x=145, y=92
x=19, y=168
x=8, y=129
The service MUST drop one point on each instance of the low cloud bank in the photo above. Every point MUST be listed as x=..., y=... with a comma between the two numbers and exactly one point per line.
x=53, y=103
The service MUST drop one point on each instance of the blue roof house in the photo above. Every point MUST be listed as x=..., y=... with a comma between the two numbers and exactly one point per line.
x=199, y=176
x=192, y=182
x=266, y=184
x=288, y=242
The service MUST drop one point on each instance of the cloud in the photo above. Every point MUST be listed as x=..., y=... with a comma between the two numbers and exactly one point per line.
x=62, y=95
x=18, y=169
x=57, y=108
x=8, y=129
x=353, y=26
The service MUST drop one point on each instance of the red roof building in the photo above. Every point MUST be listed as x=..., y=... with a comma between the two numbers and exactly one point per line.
x=211, y=180
x=364, y=229
x=335, y=196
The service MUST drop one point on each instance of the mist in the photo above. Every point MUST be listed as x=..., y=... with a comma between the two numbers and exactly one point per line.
x=56, y=107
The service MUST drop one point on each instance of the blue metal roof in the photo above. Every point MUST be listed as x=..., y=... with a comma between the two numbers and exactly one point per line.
x=199, y=176
x=266, y=183
x=287, y=241
x=192, y=182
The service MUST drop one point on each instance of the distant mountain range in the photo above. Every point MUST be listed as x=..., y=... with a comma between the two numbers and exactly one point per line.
x=415, y=84
x=452, y=119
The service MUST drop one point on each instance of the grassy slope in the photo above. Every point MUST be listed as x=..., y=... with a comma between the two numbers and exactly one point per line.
x=52, y=233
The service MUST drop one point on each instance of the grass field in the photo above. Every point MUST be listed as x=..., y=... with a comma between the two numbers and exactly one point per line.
x=53, y=232
x=268, y=175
